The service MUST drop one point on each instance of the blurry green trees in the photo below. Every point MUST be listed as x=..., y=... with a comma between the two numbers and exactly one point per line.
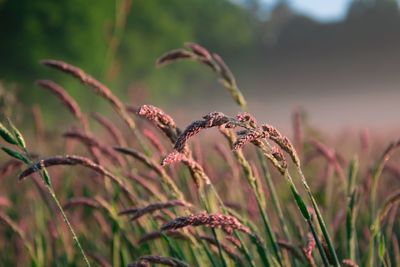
x=73, y=30
x=116, y=41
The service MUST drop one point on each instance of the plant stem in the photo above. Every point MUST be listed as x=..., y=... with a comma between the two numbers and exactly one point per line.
x=64, y=216
x=320, y=220
x=303, y=210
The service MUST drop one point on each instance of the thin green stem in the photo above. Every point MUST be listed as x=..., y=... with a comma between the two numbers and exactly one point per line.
x=64, y=216
x=351, y=209
x=306, y=215
x=320, y=219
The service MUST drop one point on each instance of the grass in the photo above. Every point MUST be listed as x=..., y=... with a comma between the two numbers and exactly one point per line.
x=143, y=194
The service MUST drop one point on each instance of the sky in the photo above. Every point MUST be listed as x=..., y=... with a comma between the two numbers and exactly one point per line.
x=322, y=10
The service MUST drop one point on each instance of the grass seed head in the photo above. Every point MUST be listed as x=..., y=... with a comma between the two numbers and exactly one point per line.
x=153, y=113
x=248, y=136
x=282, y=141
x=161, y=119
x=98, y=88
x=227, y=222
x=199, y=50
x=246, y=117
x=65, y=99
x=173, y=56
x=210, y=120
x=136, y=213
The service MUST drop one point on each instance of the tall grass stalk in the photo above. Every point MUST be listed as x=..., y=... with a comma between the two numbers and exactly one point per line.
x=321, y=222
x=307, y=216
x=351, y=210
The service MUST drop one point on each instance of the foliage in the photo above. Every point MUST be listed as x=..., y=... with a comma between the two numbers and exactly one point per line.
x=116, y=41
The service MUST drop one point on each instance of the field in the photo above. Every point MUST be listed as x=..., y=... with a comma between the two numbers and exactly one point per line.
x=132, y=188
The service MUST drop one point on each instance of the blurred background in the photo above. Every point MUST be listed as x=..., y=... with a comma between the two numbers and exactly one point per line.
x=338, y=60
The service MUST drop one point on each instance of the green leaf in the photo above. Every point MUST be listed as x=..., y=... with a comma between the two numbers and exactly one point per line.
x=46, y=177
x=20, y=139
x=381, y=247
x=7, y=136
x=352, y=175
x=15, y=154
x=300, y=203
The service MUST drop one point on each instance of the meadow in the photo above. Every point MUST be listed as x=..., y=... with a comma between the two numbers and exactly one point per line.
x=132, y=188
